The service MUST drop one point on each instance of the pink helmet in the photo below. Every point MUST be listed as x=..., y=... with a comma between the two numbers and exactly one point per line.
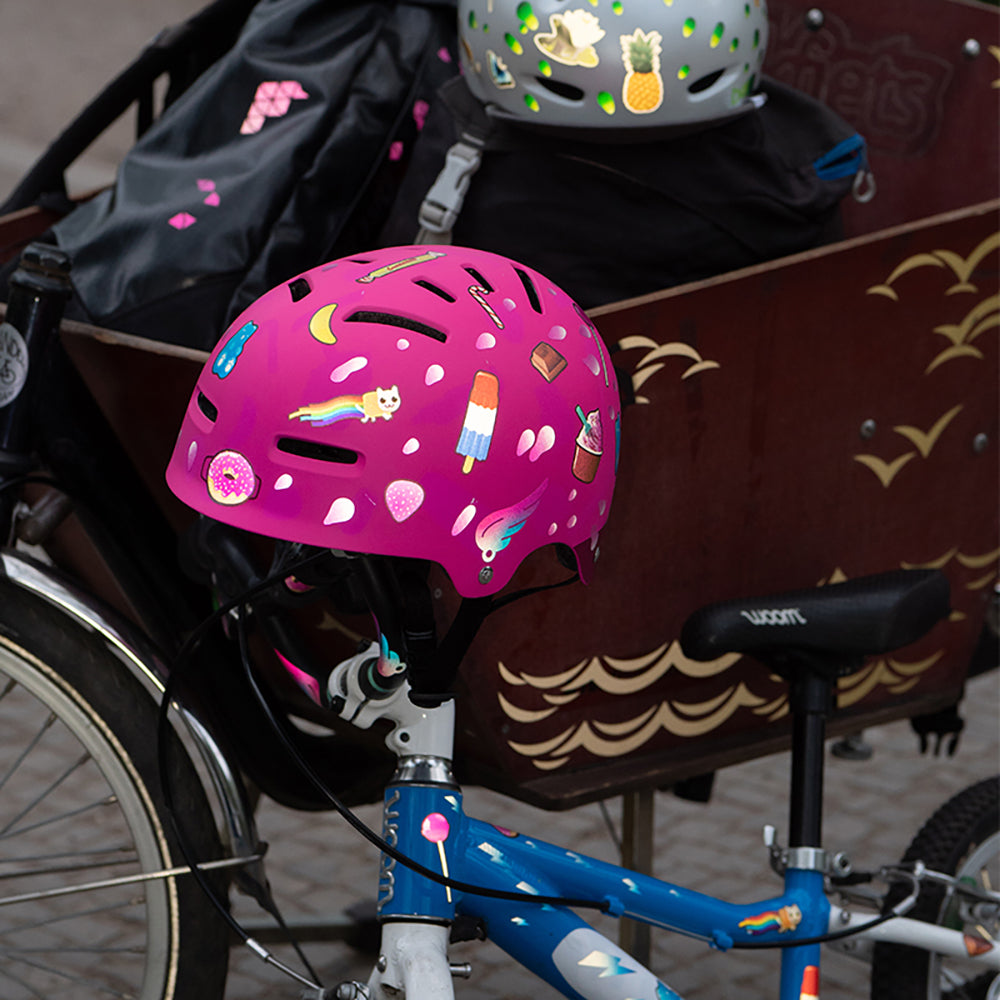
x=436, y=403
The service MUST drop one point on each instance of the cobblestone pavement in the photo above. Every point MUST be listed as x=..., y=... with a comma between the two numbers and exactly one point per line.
x=318, y=868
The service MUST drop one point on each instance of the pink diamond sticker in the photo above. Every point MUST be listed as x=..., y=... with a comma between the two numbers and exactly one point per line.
x=182, y=220
x=212, y=199
x=205, y=185
x=252, y=123
x=272, y=99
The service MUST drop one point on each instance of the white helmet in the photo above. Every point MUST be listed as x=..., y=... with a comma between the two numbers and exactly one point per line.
x=613, y=64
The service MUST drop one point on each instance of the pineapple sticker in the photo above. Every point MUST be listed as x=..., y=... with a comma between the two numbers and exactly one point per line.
x=642, y=90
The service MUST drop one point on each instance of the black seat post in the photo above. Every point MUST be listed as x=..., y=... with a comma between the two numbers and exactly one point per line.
x=810, y=638
x=811, y=703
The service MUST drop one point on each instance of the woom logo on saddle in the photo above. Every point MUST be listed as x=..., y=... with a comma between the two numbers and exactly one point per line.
x=775, y=616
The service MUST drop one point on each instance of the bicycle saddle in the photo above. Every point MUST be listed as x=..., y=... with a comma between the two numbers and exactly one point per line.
x=840, y=622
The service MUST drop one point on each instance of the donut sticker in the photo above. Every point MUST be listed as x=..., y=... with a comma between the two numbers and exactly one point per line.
x=230, y=478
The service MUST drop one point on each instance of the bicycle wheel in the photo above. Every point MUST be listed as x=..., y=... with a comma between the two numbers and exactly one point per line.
x=79, y=803
x=961, y=838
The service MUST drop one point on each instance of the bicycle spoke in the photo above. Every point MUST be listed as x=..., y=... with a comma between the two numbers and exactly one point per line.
x=23, y=755
x=6, y=830
x=68, y=814
x=62, y=869
x=11, y=859
x=94, y=911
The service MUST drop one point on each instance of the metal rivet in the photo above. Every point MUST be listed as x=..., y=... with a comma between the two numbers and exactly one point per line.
x=868, y=429
x=382, y=964
x=980, y=443
x=486, y=574
x=971, y=48
x=815, y=18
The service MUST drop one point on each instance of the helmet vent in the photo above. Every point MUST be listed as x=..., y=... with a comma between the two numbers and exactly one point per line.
x=705, y=82
x=317, y=451
x=403, y=322
x=559, y=88
x=207, y=407
x=530, y=290
x=480, y=280
x=439, y=292
x=299, y=288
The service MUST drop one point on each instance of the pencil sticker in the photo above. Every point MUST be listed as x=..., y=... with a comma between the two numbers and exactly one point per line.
x=381, y=272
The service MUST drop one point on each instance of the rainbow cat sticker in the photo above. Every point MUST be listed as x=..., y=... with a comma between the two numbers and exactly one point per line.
x=786, y=919
x=369, y=407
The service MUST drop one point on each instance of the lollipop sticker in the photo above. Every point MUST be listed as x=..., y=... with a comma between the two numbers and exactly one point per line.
x=435, y=828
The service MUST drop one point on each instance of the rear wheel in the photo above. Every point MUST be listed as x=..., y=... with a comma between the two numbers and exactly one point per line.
x=961, y=838
x=80, y=803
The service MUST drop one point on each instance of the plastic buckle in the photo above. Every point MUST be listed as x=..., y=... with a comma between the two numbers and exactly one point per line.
x=443, y=202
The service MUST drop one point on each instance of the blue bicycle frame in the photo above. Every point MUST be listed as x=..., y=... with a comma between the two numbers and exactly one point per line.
x=428, y=824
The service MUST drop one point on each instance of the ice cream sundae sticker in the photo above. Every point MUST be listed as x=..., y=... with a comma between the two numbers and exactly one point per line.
x=589, y=446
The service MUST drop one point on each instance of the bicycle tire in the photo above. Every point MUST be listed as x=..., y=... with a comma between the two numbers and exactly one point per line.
x=963, y=838
x=80, y=801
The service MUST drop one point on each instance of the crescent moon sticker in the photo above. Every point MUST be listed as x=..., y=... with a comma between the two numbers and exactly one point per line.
x=319, y=325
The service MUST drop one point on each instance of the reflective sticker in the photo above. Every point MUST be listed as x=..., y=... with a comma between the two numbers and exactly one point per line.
x=13, y=363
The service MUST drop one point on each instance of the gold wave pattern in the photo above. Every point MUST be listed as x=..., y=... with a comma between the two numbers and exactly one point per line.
x=620, y=739
x=650, y=363
x=987, y=561
x=923, y=440
x=617, y=676
x=994, y=50
x=894, y=674
x=691, y=720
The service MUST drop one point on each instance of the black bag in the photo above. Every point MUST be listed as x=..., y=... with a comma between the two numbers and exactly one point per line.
x=286, y=152
x=609, y=221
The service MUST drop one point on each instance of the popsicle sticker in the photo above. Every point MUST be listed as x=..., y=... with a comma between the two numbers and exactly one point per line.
x=435, y=828
x=381, y=272
x=480, y=418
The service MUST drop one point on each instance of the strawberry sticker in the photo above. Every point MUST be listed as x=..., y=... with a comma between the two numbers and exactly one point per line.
x=403, y=498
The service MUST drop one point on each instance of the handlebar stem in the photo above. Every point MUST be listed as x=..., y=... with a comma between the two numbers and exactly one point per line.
x=417, y=731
